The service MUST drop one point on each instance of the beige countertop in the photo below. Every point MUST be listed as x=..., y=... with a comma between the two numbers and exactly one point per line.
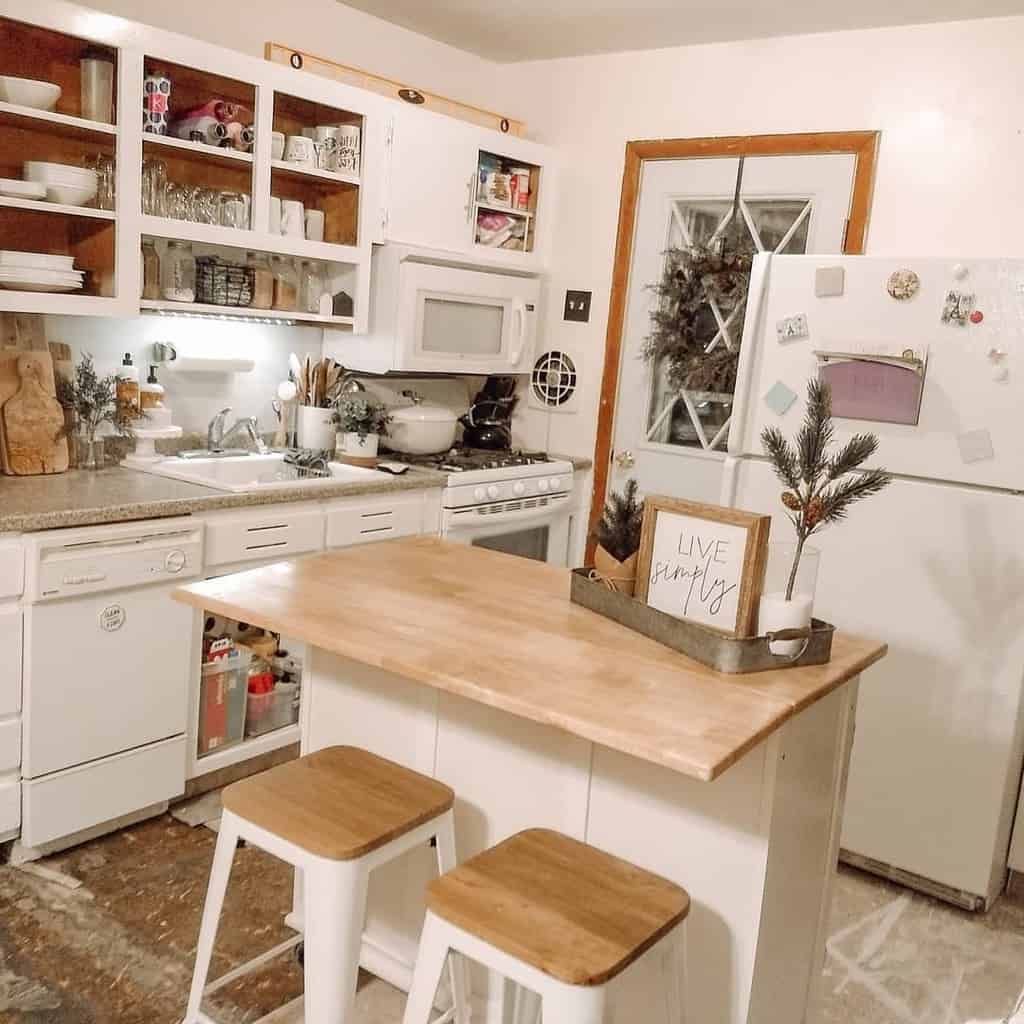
x=502, y=631
x=83, y=498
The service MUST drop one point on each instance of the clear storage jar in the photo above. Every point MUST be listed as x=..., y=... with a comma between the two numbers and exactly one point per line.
x=178, y=273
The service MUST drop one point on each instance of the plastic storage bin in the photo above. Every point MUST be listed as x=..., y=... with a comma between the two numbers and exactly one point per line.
x=222, y=699
x=277, y=709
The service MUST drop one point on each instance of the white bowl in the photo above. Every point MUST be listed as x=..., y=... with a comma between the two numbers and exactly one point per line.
x=22, y=189
x=10, y=258
x=27, y=92
x=70, y=195
x=60, y=174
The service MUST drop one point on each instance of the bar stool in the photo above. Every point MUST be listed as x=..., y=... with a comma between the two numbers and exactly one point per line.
x=556, y=916
x=336, y=815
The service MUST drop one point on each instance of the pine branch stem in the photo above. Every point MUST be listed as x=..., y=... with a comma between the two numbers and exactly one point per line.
x=801, y=537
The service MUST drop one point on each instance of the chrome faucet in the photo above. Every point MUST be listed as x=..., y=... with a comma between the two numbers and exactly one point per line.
x=217, y=437
x=215, y=431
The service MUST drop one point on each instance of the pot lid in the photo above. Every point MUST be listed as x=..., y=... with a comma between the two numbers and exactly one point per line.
x=422, y=412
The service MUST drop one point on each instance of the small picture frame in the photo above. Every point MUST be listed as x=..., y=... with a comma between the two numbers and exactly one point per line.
x=703, y=563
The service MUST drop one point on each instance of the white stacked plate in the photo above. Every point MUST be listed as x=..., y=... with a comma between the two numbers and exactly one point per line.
x=64, y=183
x=39, y=272
x=15, y=189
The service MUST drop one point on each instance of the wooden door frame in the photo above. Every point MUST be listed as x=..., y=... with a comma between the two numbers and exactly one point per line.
x=862, y=145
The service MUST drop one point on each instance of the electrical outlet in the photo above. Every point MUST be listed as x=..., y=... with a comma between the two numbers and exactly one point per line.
x=577, y=307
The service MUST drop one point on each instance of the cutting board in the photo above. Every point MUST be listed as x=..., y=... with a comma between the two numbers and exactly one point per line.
x=33, y=421
x=10, y=382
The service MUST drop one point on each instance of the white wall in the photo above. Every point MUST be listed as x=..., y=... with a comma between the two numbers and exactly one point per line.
x=947, y=99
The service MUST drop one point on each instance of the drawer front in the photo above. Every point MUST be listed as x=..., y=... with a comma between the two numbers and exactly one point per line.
x=10, y=659
x=381, y=519
x=10, y=744
x=67, y=802
x=12, y=568
x=10, y=808
x=265, y=535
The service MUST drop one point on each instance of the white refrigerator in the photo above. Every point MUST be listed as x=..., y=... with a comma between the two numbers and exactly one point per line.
x=934, y=565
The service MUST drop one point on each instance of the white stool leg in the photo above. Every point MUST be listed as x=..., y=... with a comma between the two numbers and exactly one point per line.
x=220, y=873
x=335, y=912
x=573, y=1004
x=426, y=975
x=674, y=974
x=457, y=973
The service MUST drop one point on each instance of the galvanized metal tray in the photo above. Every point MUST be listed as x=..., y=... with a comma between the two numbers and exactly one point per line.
x=709, y=647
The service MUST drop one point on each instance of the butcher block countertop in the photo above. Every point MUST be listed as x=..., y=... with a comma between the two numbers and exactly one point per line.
x=502, y=631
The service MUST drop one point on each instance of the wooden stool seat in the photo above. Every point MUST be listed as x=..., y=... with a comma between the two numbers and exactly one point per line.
x=568, y=909
x=339, y=803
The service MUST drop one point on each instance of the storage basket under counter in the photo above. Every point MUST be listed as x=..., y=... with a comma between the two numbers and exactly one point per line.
x=731, y=655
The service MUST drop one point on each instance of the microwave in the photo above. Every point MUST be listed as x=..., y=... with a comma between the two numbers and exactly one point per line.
x=433, y=312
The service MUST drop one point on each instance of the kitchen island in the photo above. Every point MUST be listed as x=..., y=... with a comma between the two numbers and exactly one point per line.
x=474, y=667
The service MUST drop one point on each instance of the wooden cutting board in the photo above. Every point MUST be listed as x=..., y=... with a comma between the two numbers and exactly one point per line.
x=33, y=421
x=10, y=382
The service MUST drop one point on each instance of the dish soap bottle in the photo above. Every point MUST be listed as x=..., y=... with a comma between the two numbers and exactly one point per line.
x=151, y=393
x=127, y=390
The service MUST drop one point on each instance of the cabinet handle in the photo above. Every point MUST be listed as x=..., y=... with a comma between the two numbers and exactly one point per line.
x=471, y=198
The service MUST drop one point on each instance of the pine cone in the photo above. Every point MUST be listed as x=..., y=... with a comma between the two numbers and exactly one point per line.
x=791, y=501
x=813, y=514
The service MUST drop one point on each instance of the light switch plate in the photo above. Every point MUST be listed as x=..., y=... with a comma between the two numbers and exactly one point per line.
x=829, y=281
x=792, y=328
x=577, y=306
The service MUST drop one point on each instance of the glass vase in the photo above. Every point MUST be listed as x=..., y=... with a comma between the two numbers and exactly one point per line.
x=90, y=452
x=778, y=612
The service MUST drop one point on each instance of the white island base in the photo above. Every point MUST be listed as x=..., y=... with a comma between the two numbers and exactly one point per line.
x=756, y=848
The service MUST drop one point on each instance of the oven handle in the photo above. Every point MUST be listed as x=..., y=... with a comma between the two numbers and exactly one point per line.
x=520, y=517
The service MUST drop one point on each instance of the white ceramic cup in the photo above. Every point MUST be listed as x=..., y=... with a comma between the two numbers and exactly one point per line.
x=275, y=215
x=314, y=225
x=293, y=218
x=277, y=145
x=315, y=428
x=299, y=150
x=348, y=148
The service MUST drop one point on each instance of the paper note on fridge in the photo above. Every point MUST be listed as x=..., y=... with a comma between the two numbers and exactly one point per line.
x=881, y=385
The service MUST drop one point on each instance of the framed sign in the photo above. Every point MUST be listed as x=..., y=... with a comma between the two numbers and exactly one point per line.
x=703, y=563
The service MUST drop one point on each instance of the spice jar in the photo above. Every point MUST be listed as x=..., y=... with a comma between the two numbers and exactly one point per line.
x=178, y=273
x=286, y=284
x=262, y=280
x=150, y=271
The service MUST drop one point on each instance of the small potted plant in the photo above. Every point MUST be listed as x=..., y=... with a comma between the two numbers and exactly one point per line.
x=360, y=423
x=618, y=539
x=821, y=487
x=90, y=401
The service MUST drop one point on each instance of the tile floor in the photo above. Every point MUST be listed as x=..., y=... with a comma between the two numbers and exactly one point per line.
x=118, y=948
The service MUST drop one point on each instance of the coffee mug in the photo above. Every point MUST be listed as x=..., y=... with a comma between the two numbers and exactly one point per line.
x=277, y=145
x=293, y=218
x=299, y=150
x=348, y=148
x=275, y=215
x=327, y=147
x=314, y=225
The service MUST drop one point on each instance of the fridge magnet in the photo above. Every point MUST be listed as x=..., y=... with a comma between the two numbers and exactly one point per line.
x=977, y=316
x=903, y=284
x=779, y=398
x=703, y=563
x=958, y=307
x=792, y=328
x=878, y=385
x=829, y=282
x=975, y=445
x=960, y=271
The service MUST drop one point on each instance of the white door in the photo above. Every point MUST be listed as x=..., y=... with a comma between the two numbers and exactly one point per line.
x=673, y=439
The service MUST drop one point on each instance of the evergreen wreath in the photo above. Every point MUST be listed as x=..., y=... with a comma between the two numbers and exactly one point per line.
x=691, y=277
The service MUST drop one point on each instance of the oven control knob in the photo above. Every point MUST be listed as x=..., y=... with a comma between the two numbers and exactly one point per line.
x=542, y=485
x=518, y=488
x=479, y=494
x=175, y=560
x=555, y=483
x=493, y=492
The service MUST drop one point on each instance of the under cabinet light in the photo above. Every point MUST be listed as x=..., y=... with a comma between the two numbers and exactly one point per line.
x=275, y=321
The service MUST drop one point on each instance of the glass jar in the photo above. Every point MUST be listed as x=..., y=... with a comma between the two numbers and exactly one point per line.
x=150, y=271
x=178, y=273
x=787, y=600
x=262, y=280
x=311, y=287
x=234, y=210
x=286, y=285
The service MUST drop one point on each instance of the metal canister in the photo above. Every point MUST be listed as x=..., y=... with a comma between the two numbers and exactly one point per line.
x=156, y=103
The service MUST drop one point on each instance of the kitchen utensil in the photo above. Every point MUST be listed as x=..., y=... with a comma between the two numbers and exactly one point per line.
x=315, y=225
x=294, y=366
x=97, y=71
x=293, y=219
x=287, y=393
x=300, y=151
x=27, y=92
x=276, y=145
x=33, y=425
x=16, y=189
x=421, y=428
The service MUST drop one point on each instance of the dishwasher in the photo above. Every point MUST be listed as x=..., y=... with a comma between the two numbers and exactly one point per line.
x=107, y=653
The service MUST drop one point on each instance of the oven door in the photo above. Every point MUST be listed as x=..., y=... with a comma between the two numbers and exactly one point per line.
x=453, y=320
x=540, y=533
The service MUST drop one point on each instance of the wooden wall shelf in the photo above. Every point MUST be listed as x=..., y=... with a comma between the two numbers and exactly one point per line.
x=41, y=206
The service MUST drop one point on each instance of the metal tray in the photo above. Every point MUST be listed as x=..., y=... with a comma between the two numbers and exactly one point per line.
x=722, y=653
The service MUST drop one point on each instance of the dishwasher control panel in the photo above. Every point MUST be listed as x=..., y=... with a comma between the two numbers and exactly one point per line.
x=66, y=563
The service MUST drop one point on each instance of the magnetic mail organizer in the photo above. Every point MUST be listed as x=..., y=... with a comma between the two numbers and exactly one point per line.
x=874, y=386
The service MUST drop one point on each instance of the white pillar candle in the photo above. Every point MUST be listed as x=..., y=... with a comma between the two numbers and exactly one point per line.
x=776, y=613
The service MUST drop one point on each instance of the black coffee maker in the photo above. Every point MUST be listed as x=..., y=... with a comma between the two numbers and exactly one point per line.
x=487, y=424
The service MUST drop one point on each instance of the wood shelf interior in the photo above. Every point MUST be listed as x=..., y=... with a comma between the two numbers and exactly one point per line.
x=185, y=167
x=192, y=87
x=23, y=140
x=27, y=51
x=506, y=164
x=338, y=201
x=292, y=114
x=89, y=241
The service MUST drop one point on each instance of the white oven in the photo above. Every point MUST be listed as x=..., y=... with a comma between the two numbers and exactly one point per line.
x=436, y=313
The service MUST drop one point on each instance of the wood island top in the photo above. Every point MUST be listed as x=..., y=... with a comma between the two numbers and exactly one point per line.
x=502, y=631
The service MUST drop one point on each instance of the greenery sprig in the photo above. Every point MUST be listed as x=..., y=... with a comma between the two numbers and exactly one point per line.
x=820, y=491
x=361, y=416
x=92, y=400
x=618, y=531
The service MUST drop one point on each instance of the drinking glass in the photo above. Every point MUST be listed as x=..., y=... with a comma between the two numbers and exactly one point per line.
x=234, y=210
x=154, y=188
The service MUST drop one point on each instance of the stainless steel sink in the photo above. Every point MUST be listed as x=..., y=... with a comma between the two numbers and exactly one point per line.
x=239, y=474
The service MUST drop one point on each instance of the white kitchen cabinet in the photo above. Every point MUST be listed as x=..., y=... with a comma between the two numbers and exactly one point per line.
x=10, y=659
x=362, y=521
x=10, y=807
x=263, y=534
